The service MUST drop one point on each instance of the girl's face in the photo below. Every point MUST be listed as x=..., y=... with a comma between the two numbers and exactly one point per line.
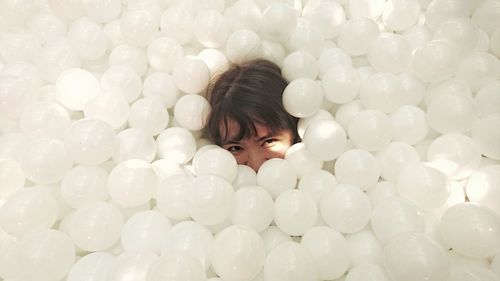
x=255, y=150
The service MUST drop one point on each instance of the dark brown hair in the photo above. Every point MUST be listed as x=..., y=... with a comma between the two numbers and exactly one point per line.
x=246, y=94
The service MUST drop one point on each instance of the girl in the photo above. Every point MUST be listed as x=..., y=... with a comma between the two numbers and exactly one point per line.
x=247, y=117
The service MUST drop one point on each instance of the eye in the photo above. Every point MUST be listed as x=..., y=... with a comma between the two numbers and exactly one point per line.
x=270, y=142
x=234, y=148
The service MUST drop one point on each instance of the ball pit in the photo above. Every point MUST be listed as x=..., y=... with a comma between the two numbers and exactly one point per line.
x=106, y=172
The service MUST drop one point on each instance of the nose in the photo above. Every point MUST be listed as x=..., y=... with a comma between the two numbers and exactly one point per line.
x=256, y=159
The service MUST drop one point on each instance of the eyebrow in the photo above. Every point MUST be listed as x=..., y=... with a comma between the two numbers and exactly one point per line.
x=233, y=141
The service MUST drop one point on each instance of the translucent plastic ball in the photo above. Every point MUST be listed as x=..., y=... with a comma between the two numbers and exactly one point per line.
x=177, y=22
x=127, y=55
x=210, y=199
x=471, y=272
x=11, y=177
x=394, y=158
x=487, y=100
x=434, y=61
x=108, y=106
x=75, y=87
x=134, y=143
x=191, y=75
x=42, y=255
x=210, y=28
x=131, y=265
x=88, y=39
x=364, y=248
x=177, y=144
x=325, y=139
x=216, y=60
x=46, y=26
x=132, y=183
x=478, y=69
x=301, y=161
x=216, y=161
x=485, y=15
x=317, y=184
x=93, y=265
x=290, y=261
x=84, y=184
x=483, y=187
x=176, y=266
x=453, y=86
x=191, y=111
x=495, y=264
x=367, y=272
x=90, y=141
x=243, y=45
x=357, y=167
x=487, y=137
x=381, y=91
x=164, y=53
x=45, y=119
x=346, y=112
x=161, y=86
x=145, y=231
x=55, y=57
x=276, y=176
x=413, y=89
x=149, y=115
x=306, y=37
x=19, y=46
x=68, y=9
x=302, y=97
x=381, y=191
x=28, y=210
x=328, y=17
x=124, y=80
x=332, y=57
x=244, y=14
x=389, y=53
x=370, y=130
x=37, y=154
x=345, y=208
x=329, y=251
x=451, y=113
x=304, y=123
x=340, y=84
x=246, y=176
x=171, y=197
x=299, y=64
x=459, y=31
x=96, y=226
x=357, y=34
x=295, y=212
x=394, y=216
x=238, y=253
x=414, y=257
x=440, y=11
x=253, y=208
x=16, y=95
x=400, y=15
x=467, y=222
x=12, y=145
x=102, y=11
x=191, y=238
x=272, y=237
x=409, y=124
x=139, y=26
x=456, y=155
x=278, y=21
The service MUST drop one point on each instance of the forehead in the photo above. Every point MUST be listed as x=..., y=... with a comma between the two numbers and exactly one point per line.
x=233, y=131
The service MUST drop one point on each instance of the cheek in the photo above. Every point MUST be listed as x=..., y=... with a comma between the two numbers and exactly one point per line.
x=240, y=158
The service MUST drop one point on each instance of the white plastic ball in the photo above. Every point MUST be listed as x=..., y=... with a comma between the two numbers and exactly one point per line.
x=304, y=123
x=92, y=266
x=171, y=197
x=102, y=11
x=467, y=222
x=177, y=22
x=456, y=155
x=113, y=32
x=325, y=139
x=381, y=191
x=90, y=141
x=245, y=176
x=210, y=28
x=471, y=272
x=109, y=107
x=132, y=183
x=326, y=16
x=215, y=60
x=340, y=84
x=16, y=96
x=381, y=91
x=96, y=226
x=238, y=253
x=451, y=113
x=290, y=261
x=11, y=177
x=210, y=199
x=131, y=265
x=459, y=31
x=427, y=260
x=413, y=89
x=276, y=176
x=145, y=231
x=88, y=39
x=357, y=34
x=55, y=57
x=485, y=15
x=84, y=184
x=364, y=248
x=28, y=210
x=389, y=53
x=478, y=69
x=67, y=9
x=278, y=21
x=46, y=26
x=177, y=144
x=346, y=112
x=176, y=266
x=301, y=161
x=440, y=11
x=453, y=86
x=400, y=15
x=244, y=14
x=394, y=216
x=302, y=97
x=123, y=80
x=317, y=184
x=190, y=238
x=332, y=57
x=134, y=143
x=295, y=212
x=417, y=35
x=243, y=45
x=127, y=55
x=487, y=100
x=370, y=130
x=75, y=87
x=216, y=161
x=495, y=264
x=299, y=64
x=164, y=53
x=357, y=167
x=139, y=26
x=487, y=137
x=45, y=119
x=365, y=8
x=306, y=37
x=161, y=86
x=191, y=75
x=483, y=187
x=191, y=111
x=394, y=158
x=367, y=272
x=329, y=251
x=18, y=46
x=345, y=208
x=272, y=237
x=253, y=208
x=409, y=124
x=434, y=61
x=149, y=115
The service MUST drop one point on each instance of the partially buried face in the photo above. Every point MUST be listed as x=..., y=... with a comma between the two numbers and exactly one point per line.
x=254, y=150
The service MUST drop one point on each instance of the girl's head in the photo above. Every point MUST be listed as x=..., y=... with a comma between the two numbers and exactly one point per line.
x=248, y=117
